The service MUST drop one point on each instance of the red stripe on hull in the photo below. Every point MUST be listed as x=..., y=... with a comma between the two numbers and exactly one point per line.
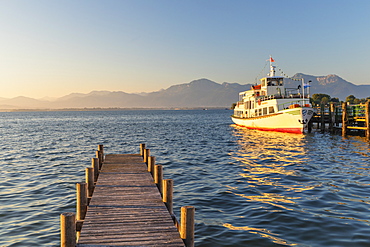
x=286, y=130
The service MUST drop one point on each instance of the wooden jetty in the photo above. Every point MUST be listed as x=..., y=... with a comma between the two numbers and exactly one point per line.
x=344, y=118
x=126, y=202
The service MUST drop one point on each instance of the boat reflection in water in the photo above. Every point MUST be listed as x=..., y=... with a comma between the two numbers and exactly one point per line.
x=305, y=190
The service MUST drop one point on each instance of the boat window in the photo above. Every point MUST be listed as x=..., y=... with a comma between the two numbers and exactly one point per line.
x=252, y=104
x=274, y=81
x=260, y=112
x=265, y=111
x=263, y=81
x=271, y=109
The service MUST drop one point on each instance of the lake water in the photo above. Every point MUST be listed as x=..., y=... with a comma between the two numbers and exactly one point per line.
x=249, y=188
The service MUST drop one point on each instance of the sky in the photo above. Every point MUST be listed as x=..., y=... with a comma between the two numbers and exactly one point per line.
x=54, y=48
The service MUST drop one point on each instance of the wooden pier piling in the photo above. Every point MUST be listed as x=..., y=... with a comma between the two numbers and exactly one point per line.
x=344, y=118
x=353, y=118
x=158, y=177
x=126, y=207
x=367, y=119
x=95, y=165
x=81, y=201
x=168, y=194
x=151, y=164
x=187, y=225
x=67, y=230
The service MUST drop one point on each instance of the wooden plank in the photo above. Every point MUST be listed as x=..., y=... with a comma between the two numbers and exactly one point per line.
x=126, y=208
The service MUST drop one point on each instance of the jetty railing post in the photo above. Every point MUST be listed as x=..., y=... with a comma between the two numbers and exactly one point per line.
x=95, y=165
x=168, y=194
x=344, y=119
x=151, y=163
x=158, y=177
x=146, y=155
x=142, y=147
x=367, y=118
x=67, y=230
x=187, y=225
x=81, y=206
x=101, y=149
x=90, y=180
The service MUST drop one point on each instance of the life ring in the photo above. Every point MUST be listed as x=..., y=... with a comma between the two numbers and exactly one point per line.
x=259, y=101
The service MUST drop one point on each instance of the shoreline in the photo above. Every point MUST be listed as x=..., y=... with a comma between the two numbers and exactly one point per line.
x=113, y=109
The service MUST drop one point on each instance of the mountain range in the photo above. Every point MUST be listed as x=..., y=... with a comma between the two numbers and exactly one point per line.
x=195, y=94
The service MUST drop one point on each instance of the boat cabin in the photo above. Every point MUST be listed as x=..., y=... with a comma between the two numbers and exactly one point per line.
x=268, y=97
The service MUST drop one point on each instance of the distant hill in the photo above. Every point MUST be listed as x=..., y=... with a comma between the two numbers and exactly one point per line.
x=334, y=86
x=197, y=93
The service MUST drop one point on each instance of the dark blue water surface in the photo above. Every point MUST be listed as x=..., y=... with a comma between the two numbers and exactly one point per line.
x=249, y=188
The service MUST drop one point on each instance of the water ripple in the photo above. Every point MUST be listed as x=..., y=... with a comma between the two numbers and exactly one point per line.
x=249, y=188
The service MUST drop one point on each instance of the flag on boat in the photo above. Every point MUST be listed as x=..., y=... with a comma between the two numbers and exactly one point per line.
x=272, y=60
x=306, y=85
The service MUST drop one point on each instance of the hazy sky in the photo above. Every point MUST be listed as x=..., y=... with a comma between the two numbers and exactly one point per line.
x=53, y=48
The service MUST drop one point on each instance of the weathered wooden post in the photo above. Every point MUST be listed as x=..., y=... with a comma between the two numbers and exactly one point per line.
x=322, y=111
x=142, y=147
x=81, y=206
x=101, y=149
x=146, y=155
x=367, y=118
x=67, y=230
x=99, y=156
x=151, y=163
x=344, y=119
x=168, y=194
x=331, y=117
x=90, y=180
x=337, y=121
x=187, y=225
x=158, y=177
x=95, y=165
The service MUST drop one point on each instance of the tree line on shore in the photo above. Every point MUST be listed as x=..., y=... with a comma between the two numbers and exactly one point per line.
x=320, y=98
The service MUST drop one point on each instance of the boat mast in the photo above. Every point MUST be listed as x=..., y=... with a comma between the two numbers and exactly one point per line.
x=272, y=68
x=303, y=91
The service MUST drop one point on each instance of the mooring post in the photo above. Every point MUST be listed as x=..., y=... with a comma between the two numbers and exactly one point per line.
x=367, y=118
x=151, y=163
x=187, y=225
x=146, y=155
x=142, y=147
x=101, y=149
x=322, y=110
x=67, y=230
x=90, y=181
x=81, y=206
x=331, y=117
x=95, y=165
x=344, y=119
x=98, y=155
x=158, y=177
x=168, y=194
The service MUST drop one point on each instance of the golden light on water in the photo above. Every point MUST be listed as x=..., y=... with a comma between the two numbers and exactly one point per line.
x=260, y=231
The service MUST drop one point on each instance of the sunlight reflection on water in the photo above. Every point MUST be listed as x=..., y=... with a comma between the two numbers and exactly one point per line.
x=249, y=188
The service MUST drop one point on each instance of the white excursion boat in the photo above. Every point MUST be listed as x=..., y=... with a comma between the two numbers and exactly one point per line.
x=270, y=106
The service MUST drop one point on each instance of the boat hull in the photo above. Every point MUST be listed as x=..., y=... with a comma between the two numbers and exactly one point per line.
x=290, y=120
